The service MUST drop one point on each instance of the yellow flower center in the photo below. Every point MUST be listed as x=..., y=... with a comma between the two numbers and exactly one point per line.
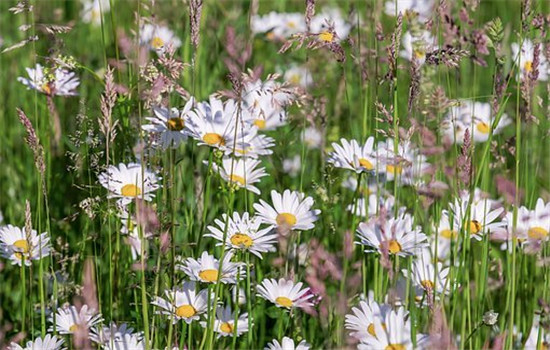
x=226, y=327
x=427, y=284
x=237, y=179
x=270, y=36
x=175, y=124
x=395, y=347
x=157, y=43
x=209, y=275
x=393, y=246
x=130, y=190
x=483, y=127
x=326, y=36
x=295, y=79
x=394, y=169
x=22, y=245
x=259, y=123
x=284, y=301
x=286, y=219
x=419, y=54
x=371, y=331
x=212, y=139
x=291, y=24
x=528, y=66
x=185, y=311
x=46, y=88
x=475, y=227
x=365, y=163
x=537, y=233
x=448, y=234
x=242, y=240
x=73, y=328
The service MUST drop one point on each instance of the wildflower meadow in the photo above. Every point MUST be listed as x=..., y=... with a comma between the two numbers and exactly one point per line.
x=274, y=174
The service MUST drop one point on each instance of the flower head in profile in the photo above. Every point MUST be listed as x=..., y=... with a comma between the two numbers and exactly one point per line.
x=410, y=8
x=158, y=38
x=406, y=166
x=298, y=76
x=290, y=211
x=524, y=56
x=128, y=182
x=287, y=344
x=417, y=45
x=18, y=245
x=285, y=293
x=69, y=319
x=350, y=155
x=372, y=205
x=532, y=225
x=396, y=236
x=126, y=342
x=52, y=82
x=278, y=26
x=184, y=303
x=93, y=10
x=168, y=125
x=427, y=275
x=327, y=19
x=244, y=233
x=312, y=137
x=224, y=323
x=447, y=236
x=206, y=269
x=49, y=342
x=106, y=335
x=241, y=173
x=361, y=320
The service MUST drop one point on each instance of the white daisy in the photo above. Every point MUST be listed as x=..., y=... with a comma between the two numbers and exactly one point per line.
x=68, y=319
x=241, y=173
x=50, y=342
x=133, y=237
x=526, y=57
x=158, y=38
x=183, y=303
x=330, y=17
x=290, y=211
x=408, y=165
x=430, y=278
x=278, y=26
x=292, y=166
x=105, y=335
x=17, y=245
x=93, y=10
x=479, y=219
x=298, y=76
x=255, y=146
x=416, y=45
x=361, y=321
x=169, y=125
x=206, y=269
x=244, y=233
x=224, y=324
x=371, y=206
x=127, y=342
x=447, y=236
x=395, y=235
x=474, y=116
x=531, y=225
x=287, y=344
x=394, y=332
x=420, y=8
x=312, y=137
x=128, y=182
x=59, y=82
x=354, y=157
x=285, y=293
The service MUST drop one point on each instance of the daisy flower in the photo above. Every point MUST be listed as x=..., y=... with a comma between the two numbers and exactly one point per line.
x=430, y=278
x=158, y=38
x=312, y=137
x=287, y=344
x=407, y=165
x=478, y=219
x=292, y=166
x=361, y=321
x=93, y=10
x=533, y=338
x=241, y=173
x=213, y=124
x=525, y=55
x=330, y=17
x=127, y=342
x=50, y=342
x=372, y=205
x=285, y=293
x=224, y=324
x=531, y=225
x=256, y=145
x=128, y=182
x=290, y=211
x=59, y=82
x=354, y=157
x=278, y=26
x=395, y=235
x=106, y=335
x=416, y=45
x=133, y=237
x=169, y=125
x=68, y=319
x=477, y=117
x=393, y=332
x=420, y=8
x=447, y=235
x=298, y=76
x=183, y=303
x=17, y=246
x=206, y=269
x=244, y=233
